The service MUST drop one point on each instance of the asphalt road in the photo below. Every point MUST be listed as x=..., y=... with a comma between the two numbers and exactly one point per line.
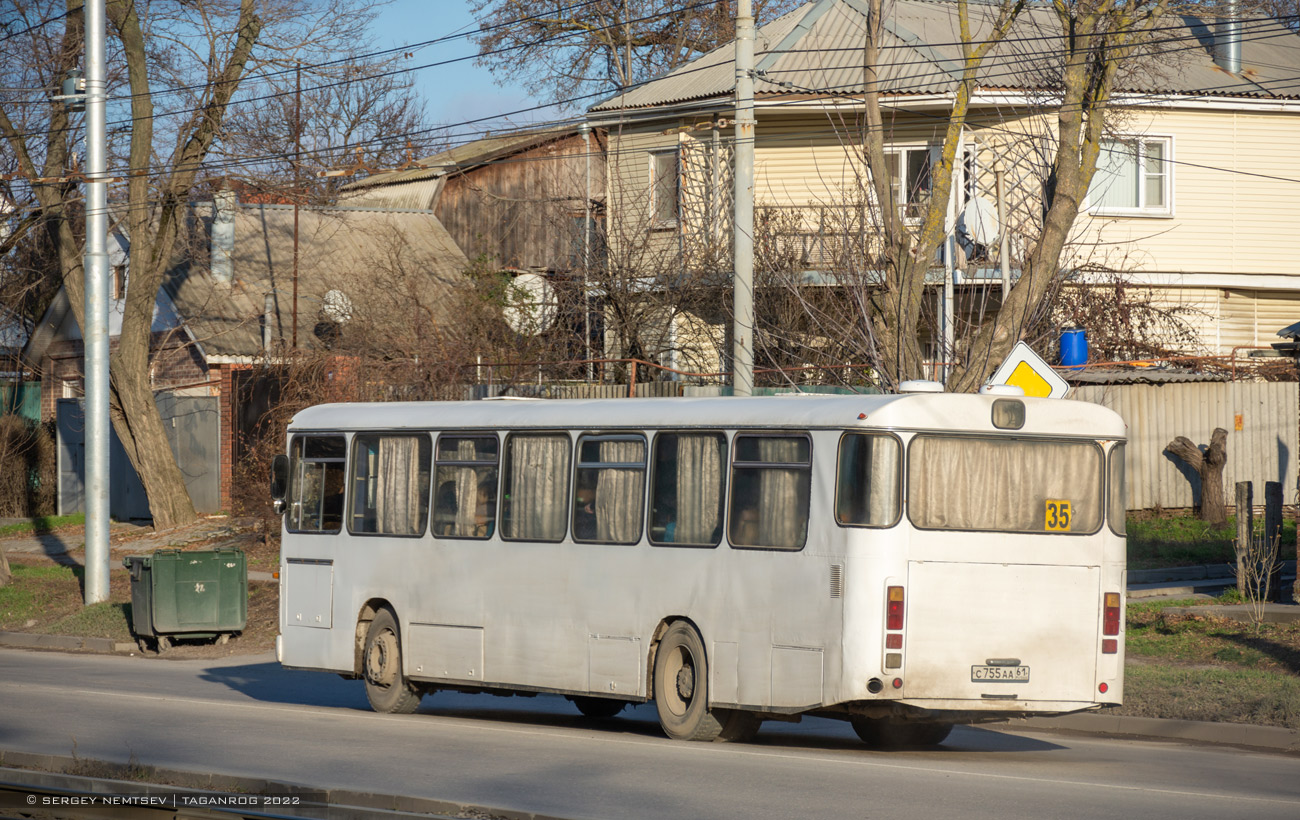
x=246, y=716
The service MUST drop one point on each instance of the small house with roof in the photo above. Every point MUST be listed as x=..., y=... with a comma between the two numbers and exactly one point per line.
x=247, y=281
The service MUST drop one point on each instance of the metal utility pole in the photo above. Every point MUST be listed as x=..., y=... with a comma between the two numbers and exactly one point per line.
x=95, y=333
x=742, y=366
x=297, y=186
x=585, y=129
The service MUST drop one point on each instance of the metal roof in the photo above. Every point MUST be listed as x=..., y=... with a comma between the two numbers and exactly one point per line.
x=346, y=249
x=463, y=156
x=816, y=51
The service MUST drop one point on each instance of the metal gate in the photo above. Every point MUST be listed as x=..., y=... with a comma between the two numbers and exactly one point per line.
x=194, y=432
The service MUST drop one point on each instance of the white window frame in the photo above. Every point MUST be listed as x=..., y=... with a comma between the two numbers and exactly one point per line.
x=1143, y=209
x=655, y=155
x=967, y=172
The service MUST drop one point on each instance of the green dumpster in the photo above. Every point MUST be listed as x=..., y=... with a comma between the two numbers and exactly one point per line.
x=178, y=594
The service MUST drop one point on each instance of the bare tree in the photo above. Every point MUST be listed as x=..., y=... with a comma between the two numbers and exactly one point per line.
x=579, y=48
x=179, y=66
x=356, y=110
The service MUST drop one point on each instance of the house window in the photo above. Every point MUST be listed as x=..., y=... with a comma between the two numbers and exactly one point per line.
x=911, y=178
x=910, y=182
x=1132, y=178
x=664, y=184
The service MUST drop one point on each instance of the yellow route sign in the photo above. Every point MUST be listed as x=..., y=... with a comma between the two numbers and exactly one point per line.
x=1025, y=369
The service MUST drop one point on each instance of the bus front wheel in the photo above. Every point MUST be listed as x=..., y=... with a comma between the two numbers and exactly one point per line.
x=882, y=733
x=682, y=692
x=387, y=688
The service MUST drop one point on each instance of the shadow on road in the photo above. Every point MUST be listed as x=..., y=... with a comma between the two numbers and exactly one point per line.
x=271, y=683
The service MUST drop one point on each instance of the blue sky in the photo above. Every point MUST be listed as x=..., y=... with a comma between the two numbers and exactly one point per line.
x=454, y=93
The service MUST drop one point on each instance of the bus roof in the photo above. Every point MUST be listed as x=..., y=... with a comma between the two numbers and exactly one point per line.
x=962, y=412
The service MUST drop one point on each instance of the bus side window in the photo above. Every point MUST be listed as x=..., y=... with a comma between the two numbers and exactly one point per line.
x=465, y=505
x=687, y=490
x=390, y=484
x=316, y=481
x=771, y=480
x=868, y=484
x=535, y=487
x=610, y=490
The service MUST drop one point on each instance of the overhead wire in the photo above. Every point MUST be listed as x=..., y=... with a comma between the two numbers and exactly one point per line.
x=243, y=162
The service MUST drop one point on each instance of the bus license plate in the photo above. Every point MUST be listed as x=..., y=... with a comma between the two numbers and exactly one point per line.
x=1003, y=674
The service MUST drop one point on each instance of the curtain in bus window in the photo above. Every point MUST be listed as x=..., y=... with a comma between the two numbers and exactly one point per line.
x=466, y=490
x=398, y=497
x=882, y=496
x=1004, y=484
x=539, y=471
x=619, y=493
x=780, y=523
x=699, y=489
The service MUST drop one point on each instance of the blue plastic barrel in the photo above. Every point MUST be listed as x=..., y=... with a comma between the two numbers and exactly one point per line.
x=1074, y=347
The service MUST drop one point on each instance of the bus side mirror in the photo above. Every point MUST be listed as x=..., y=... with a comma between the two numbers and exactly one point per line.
x=279, y=480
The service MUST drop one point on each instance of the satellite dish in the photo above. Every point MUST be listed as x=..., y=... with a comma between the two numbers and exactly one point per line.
x=979, y=222
x=530, y=304
x=337, y=307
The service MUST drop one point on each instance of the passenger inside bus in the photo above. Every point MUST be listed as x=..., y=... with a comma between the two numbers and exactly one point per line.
x=485, y=511
x=584, y=513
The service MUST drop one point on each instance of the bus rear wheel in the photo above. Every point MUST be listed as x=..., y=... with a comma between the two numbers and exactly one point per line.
x=681, y=687
x=387, y=688
x=883, y=733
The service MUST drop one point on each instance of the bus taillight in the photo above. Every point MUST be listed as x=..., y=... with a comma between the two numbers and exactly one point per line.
x=894, y=614
x=1110, y=623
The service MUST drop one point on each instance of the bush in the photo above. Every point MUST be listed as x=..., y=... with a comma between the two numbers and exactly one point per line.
x=28, y=468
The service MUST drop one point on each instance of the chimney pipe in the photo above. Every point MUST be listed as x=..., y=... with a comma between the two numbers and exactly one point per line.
x=223, y=236
x=1227, y=39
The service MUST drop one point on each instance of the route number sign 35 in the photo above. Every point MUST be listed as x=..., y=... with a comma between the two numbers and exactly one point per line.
x=1057, y=515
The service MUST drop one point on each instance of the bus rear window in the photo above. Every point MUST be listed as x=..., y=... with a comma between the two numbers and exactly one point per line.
x=1117, y=500
x=1004, y=485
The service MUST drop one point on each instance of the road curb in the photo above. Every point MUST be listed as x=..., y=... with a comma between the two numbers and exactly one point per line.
x=31, y=640
x=68, y=773
x=1231, y=734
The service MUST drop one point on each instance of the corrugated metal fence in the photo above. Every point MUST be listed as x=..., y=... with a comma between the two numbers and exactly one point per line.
x=1261, y=419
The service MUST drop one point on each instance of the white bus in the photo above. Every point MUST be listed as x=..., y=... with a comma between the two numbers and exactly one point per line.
x=903, y=562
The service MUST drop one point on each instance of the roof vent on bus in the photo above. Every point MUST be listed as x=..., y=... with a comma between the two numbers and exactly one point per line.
x=920, y=386
x=1001, y=390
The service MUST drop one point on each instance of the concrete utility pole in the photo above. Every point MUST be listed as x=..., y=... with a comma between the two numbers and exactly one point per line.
x=742, y=366
x=95, y=333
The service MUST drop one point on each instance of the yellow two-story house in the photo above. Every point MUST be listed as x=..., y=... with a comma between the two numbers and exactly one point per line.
x=1195, y=200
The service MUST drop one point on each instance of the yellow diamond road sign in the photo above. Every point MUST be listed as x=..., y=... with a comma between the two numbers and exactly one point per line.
x=1025, y=369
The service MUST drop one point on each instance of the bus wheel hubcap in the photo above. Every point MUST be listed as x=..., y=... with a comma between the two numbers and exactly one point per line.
x=686, y=682
x=379, y=660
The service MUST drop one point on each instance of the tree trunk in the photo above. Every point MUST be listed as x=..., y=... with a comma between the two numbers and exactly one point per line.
x=150, y=451
x=5, y=575
x=1209, y=466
